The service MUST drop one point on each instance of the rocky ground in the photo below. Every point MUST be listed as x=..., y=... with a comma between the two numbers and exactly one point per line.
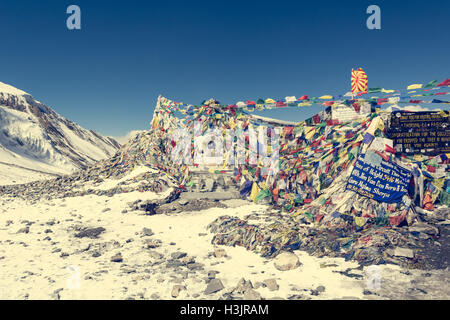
x=110, y=245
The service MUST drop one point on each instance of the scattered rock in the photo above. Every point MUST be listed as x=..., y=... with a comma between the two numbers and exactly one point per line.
x=213, y=286
x=155, y=255
x=219, y=253
x=24, y=230
x=176, y=290
x=195, y=266
x=178, y=255
x=154, y=296
x=252, y=295
x=152, y=243
x=271, y=284
x=92, y=233
x=425, y=228
x=404, y=252
x=147, y=232
x=242, y=286
x=318, y=290
x=286, y=261
x=106, y=209
x=117, y=258
x=212, y=274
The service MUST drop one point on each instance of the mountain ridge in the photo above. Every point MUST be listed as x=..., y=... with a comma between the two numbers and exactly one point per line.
x=32, y=135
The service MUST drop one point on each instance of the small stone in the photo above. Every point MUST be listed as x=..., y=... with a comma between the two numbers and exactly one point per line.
x=178, y=255
x=212, y=274
x=106, y=209
x=154, y=296
x=320, y=289
x=220, y=253
x=176, y=290
x=152, y=243
x=214, y=285
x=117, y=258
x=90, y=233
x=147, y=232
x=48, y=231
x=404, y=252
x=252, y=295
x=271, y=284
x=242, y=286
x=286, y=261
x=155, y=255
x=24, y=230
x=195, y=266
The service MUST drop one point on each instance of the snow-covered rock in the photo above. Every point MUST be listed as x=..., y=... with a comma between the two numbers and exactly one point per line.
x=33, y=136
x=286, y=261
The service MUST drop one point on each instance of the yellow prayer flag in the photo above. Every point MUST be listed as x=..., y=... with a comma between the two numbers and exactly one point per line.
x=360, y=221
x=255, y=191
x=414, y=86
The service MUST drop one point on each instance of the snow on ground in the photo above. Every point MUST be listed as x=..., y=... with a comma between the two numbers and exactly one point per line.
x=36, y=267
x=108, y=184
x=14, y=175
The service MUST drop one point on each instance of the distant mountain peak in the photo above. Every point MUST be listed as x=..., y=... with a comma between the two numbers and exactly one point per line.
x=6, y=88
x=34, y=136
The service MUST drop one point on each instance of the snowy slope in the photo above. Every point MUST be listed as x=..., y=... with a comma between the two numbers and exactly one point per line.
x=34, y=136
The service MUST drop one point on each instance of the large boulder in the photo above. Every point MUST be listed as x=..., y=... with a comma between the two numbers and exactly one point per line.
x=286, y=261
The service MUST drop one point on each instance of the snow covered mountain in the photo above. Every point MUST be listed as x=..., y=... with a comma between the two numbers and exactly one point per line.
x=38, y=140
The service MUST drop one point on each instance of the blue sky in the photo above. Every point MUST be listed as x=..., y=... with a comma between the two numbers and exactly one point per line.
x=107, y=76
